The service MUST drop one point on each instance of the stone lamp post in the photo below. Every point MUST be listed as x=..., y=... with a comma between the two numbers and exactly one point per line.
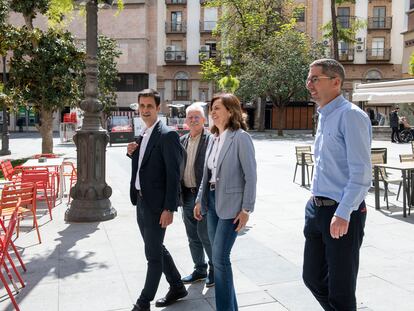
x=91, y=193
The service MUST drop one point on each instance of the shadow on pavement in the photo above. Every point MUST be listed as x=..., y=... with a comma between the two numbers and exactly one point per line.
x=61, y=262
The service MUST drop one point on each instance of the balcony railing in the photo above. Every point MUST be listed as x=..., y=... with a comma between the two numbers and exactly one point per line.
x=378, y=54
x=175, y=1
x=175, y=27
x=175, y=56
x=346, y=55
x=205, y=55
x=345, y=21
x=379, y=23
x=181, y=95
x=207, y=26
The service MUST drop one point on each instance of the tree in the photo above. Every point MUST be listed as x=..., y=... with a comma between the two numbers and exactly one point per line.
x=47, y=67
x=336, y=28
x=411, y=65
x=47, y=76
x=279, y=72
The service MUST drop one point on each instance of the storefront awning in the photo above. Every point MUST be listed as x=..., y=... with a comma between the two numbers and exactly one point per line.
x=392, y=92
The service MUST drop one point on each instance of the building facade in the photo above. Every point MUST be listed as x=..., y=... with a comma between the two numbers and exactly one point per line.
x=408, y=35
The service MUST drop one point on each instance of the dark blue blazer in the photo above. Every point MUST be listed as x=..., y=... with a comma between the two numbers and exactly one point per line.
x=160, y=170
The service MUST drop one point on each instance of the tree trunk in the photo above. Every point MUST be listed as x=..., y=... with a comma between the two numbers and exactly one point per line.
x=334, y=31
x=261, y=106
x=281, y=123
x=46, y=130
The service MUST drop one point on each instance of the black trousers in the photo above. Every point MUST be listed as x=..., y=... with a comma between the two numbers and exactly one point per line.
x=395, y=134
x=330, y=266
x=159, y=259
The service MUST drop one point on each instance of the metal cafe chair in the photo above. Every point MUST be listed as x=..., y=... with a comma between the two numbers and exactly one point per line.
x=378, y=158
x=305, y=160
x=5, y=241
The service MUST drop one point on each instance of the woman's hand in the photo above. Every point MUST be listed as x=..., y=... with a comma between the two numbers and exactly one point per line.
x=242, y=218
x=197, y=212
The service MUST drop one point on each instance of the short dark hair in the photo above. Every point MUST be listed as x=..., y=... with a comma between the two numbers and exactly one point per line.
x=331, y=68
x=150, y=93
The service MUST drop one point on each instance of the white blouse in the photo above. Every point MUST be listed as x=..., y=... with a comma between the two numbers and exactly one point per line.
x=214, y=154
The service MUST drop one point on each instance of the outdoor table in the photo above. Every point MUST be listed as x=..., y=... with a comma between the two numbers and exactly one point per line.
x=406, y=168
x=303, y=168
x=49, y=162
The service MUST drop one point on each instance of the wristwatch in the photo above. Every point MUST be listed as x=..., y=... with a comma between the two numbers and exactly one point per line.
x=246, y=211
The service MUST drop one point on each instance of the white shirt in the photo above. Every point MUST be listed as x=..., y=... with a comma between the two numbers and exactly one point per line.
x=146, y=134
x=214, y=154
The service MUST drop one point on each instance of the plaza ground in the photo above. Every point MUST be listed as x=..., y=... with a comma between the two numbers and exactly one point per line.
x=101, y=266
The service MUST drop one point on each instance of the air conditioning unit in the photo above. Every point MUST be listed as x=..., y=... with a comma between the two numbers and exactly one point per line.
x=359, y=47
x=169, y=56
x=360, y=40
x=204, y=48
x=325, y=42
x=170, y=48
x=179, y=57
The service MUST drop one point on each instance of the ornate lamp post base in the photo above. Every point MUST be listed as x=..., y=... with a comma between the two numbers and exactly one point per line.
x=91, y=193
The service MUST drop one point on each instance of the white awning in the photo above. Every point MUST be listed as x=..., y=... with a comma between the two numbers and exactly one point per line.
x=393, y=92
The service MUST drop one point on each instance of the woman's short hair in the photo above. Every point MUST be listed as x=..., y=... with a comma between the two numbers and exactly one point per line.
x=232, y=104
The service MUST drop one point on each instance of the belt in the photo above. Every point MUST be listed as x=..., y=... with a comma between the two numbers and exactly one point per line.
x=139, y=193
x=193, y=190
x=324, y=202
x=212, y=186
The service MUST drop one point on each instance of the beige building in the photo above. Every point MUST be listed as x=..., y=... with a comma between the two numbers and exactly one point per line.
x=408, y=36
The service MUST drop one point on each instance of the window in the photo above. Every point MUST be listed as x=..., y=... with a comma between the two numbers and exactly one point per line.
x=132, y=82
x=203, y=95
x=343, y=47
x=343, y=17
x=379, y=17
x=378, y=47
x=411, y=4
x=176, y=21
x=299, y=14
x=181, y=86
x=210, y=19
x=373, y=74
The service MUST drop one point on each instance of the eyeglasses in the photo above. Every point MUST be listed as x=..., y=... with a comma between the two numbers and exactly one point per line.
x=316, y=79
x=196, y=118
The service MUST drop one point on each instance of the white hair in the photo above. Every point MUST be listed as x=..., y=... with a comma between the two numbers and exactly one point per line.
x=197, y=106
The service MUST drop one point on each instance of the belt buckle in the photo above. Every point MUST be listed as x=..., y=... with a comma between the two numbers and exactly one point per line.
x=318, y=202
x=193, y=190
x=212, y=187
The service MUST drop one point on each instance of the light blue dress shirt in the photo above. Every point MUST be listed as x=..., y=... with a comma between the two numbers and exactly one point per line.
x=342, y=155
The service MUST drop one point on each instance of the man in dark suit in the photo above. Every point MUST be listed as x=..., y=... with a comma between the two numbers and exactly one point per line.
x=195, y=144
x=154, y=190
x=395, y=124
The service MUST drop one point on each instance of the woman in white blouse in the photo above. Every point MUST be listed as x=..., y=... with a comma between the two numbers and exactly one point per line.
x=227, y=192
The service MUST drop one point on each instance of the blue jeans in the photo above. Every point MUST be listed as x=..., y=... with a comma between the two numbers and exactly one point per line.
x=330, y=266
x=222, y=235
x=197, y=233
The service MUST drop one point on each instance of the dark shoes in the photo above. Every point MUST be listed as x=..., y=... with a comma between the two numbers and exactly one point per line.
x=194, y=277
x=210, y=279
x=172, y=296
x=137, y=307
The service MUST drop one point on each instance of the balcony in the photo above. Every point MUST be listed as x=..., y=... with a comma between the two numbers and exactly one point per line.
x=207, y=26
x=175, y=56
x=346, y=55
x=380, y=23
x=345, y=21
x=381, y=55
x=181, y=95
x=175, y=1
x=204, y=54
x=175, y=27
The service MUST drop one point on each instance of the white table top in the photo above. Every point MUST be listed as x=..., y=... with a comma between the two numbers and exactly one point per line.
x=48, y=162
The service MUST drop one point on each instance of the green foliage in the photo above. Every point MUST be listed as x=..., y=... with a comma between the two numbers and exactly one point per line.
x=279, y=72
x=411, y=65
x=46, y=76
x=345, y=34
x=229, y=84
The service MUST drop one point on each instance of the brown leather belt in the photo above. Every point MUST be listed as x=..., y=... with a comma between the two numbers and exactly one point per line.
x=324, y=202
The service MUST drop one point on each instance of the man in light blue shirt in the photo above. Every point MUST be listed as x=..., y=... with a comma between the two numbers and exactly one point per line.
x=336, y=213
